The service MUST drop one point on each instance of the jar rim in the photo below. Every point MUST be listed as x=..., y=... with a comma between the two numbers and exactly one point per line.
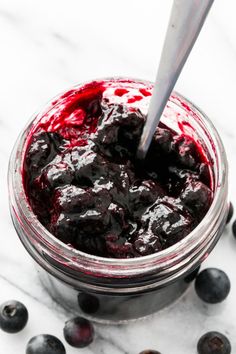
x=113, y=266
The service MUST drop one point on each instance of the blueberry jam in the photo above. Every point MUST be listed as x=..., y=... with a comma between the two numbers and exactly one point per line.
x=85, y=186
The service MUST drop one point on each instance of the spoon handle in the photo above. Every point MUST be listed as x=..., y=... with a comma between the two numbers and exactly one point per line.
x=186, y=20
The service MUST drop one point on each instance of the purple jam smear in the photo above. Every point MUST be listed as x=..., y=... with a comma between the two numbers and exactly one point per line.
x=85, y=186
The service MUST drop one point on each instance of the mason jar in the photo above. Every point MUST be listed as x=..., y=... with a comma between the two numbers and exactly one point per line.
x=113, y=290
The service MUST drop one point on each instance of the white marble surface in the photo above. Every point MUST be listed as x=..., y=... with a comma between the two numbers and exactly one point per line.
x=47, y=46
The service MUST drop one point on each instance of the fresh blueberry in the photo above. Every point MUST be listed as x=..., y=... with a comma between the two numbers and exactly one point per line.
x=45, y=344
x=79, y=332
x=212, y=285
x=13, y=316
x=234, y=228
x=213, y=343
x=230, y=213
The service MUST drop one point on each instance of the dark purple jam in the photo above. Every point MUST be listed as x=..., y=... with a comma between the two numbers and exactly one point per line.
x=85, y=186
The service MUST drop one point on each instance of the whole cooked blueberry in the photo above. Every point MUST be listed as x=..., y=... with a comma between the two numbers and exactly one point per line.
x=230, y=213
x=55, y=175
x=162, y=139
x=64, y=226
x=79, y=332
x=90, y=168
x=91, y=245
x=93, y=222
x=81, y=229
x=45, y=344
x=187, y=149
x=70, y=198
x=147, y=244
x=149, y=351
x=213, y=343
x=212, y=285
x=197, y=198
x=234, y=228
x=178, y=178
x=39, y=150
x=143, y=193
x=167, y=223
x=44, y=147
x=119, y=130
x=120, y=177
x=204, y=173
x=118, y=222
x=13, y=316
x=88, y=303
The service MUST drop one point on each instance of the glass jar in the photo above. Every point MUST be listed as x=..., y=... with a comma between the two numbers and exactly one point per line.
x=117, y=290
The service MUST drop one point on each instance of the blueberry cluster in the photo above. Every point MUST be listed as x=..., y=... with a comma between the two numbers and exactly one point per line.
x=78, y=332
x=96, y=197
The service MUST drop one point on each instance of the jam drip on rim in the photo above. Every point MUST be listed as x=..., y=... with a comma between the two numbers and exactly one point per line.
x=85, y=186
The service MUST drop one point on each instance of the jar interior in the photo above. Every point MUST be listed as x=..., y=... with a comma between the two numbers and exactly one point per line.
x=180, y=115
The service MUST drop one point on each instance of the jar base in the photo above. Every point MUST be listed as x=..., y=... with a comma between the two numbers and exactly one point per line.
x=110, y=309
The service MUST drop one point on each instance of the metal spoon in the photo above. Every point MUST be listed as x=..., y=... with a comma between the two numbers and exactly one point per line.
x=186, y=20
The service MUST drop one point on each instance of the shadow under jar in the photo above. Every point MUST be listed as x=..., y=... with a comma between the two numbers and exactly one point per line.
x=113, y=290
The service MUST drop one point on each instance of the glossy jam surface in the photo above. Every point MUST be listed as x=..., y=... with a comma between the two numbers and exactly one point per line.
x=85, y=186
